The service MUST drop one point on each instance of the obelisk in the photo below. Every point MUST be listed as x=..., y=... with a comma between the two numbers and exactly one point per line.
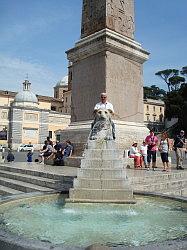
x=107, y=59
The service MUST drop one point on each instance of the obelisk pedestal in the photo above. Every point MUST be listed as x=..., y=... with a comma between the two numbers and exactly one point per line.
x=107, y=59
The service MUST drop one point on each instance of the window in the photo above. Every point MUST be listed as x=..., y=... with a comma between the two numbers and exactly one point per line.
x=154, y=118
x=50, y=134
x=4, y=115
x=57, y=137
x=147, y=117
x=53, y=108
x=160, y=109
x=66, y=99
x=147, y=107
x=154, y=108
x=30, y=117
x=161, y=118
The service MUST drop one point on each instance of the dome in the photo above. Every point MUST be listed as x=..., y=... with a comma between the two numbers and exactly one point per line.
x=63, y=82
x=26, y=97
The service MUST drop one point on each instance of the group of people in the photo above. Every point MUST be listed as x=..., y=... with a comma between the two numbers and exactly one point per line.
x=148, y=151
x=58, y=152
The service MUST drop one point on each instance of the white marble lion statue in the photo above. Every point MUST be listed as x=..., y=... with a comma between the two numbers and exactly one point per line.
x=102, y=126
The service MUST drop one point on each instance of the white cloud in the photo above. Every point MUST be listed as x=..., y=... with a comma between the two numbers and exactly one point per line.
x=13, y=72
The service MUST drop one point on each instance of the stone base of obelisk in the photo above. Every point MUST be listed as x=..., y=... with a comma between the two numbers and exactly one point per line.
x=102, y=176
x=126, y=133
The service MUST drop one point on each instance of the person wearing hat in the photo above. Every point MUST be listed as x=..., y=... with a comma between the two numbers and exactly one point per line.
x=179, y=148
x=134, y=153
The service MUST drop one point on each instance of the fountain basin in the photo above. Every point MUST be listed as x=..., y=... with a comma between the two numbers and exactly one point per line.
x=47, y=221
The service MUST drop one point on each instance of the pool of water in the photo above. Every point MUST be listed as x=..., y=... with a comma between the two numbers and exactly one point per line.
x=149, y=220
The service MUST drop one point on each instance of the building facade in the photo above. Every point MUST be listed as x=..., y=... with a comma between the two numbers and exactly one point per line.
x=29, y=118
x=154, y=111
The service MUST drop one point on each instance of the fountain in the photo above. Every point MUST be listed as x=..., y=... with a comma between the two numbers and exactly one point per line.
x=102, y=176
x=99, y=209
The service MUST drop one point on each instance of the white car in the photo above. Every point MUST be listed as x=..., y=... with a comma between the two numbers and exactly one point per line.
x=26, y=147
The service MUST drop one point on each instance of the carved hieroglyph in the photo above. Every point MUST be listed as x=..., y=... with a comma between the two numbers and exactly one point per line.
x=117, y=15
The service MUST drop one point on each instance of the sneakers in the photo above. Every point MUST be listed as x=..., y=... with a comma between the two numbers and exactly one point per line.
x=179, y=168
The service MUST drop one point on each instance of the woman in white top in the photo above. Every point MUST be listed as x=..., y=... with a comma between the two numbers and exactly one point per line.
x=164, y=150
x=134, y=153
x=143, y=151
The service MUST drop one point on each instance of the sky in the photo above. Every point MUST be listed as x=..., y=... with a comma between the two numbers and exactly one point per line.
x=34, y=35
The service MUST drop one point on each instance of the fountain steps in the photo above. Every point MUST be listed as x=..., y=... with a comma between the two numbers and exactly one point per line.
x=30, y=171
x=96, y=163
x=41, y=181
x=100, y=194
x=15, y=180
x=98, y=173
x=23, y=186
x=8, y=191
x=163, y=186
x=101, y=183
x=154, y=177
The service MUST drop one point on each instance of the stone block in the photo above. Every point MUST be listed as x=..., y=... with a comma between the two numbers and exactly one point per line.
x=96, y=173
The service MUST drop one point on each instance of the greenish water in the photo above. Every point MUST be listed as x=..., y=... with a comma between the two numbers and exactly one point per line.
x=150, y=220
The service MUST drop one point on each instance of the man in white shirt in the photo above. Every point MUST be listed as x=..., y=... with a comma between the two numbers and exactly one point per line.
x=104, y=104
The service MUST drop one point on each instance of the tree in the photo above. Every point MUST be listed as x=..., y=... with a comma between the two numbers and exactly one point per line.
x=175, y=82
x=154, y=92
x=184, y=71
x=166, y=75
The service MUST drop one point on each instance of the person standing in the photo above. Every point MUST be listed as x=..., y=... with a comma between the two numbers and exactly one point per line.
x=152, y=142
x=29, y=156
x=164, y=148
x=179, y=148
x=143, y=151
x=10, y=156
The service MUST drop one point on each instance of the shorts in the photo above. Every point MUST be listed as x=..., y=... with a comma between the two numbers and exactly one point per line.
x=164, y=157
x=46, y=154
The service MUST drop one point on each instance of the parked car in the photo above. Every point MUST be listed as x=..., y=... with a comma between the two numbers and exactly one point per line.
x=26, y=147
x=3, y=147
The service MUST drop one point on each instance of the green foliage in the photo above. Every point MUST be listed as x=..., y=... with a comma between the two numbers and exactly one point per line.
x=166, y=75
x=154, y=92
x=176, y=97
x=184, y=71
x=175, y=82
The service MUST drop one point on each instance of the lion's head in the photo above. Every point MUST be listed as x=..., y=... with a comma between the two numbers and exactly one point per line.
x=103, y=115
x=102, y=125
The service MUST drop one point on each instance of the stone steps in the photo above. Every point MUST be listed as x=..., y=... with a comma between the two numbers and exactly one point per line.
x=164, y=187
x=41, y=181
x=23, y=186
x=8, y=191
x=16, y=180
x=100, y=184
x=96, y=163
x=30, y=171
x=162, y=177
x=113, y=195
x=97, y=173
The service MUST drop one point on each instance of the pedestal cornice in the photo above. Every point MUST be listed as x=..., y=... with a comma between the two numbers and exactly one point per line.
x=107, y=40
